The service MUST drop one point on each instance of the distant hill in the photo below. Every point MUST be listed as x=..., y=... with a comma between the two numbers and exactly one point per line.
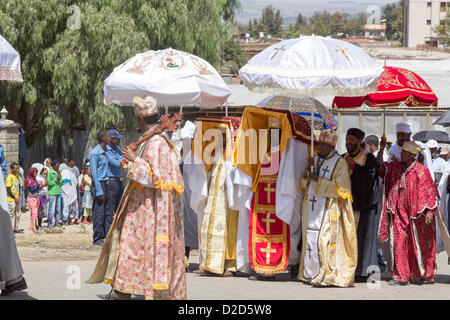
x=290, y=9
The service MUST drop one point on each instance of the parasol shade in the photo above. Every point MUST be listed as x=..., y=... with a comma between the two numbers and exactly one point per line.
x=444, y=120
x=303, y=106
x=9, y=62
x=396, y=86
x=439, y=136
x=172, y=77
x=311, y=66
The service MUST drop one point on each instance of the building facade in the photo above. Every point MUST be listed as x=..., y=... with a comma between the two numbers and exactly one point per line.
x=420, y=18
x=374, y=30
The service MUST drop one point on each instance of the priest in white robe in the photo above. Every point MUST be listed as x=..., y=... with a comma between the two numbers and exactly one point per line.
x=329, y=250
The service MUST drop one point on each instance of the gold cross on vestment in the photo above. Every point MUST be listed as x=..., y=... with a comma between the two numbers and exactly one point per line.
x=276, y=51
x=268, y=251
x=339, y=49
x=269, y=191
x=268, y=221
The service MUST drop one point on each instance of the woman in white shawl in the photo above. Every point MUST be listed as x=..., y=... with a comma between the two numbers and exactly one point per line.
x=69, y=186
x=48, y=164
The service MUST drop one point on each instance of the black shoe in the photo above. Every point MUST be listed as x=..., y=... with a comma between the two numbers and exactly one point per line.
x=108, y=296
x=361, y=279
x=294, y=270
x=262, y=278
x=99, y=243
x=398, y=283
x=18, y=286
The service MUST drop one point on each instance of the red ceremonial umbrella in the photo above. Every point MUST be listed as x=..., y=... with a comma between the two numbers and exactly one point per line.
x=395, y=86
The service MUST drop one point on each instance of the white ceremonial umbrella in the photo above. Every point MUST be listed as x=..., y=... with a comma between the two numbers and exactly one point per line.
x=172, y=77
x=9, y=62
x=312, y=66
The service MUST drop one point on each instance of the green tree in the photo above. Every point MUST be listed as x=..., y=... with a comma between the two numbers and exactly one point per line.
x=230, y=8
x=64, y=69
x=443, y=30
x=355, y=26
x=393, y=14
x=300, y=20
x=271, y=20
x=327, y=24
x=250, y=27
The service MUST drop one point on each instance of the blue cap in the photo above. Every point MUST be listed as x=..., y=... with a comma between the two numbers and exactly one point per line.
x=114, y=134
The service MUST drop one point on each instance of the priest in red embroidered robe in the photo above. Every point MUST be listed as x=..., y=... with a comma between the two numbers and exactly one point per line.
x=144, y=251
x=408, y=217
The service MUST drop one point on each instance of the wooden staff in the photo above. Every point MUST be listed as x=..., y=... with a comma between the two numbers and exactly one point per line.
x=166, y=123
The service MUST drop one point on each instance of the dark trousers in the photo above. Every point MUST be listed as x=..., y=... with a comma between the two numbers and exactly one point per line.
x=99, y=218
x=103, y=210
x=115, y=190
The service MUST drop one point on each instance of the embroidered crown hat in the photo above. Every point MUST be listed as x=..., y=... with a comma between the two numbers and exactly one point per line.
x=411, y=147
x=145, y=107
x=328, y=138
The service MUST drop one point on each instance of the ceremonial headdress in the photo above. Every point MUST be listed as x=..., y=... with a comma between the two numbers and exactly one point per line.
x=358, y=133
x=411, y=147
x=404, y=127
x=443, y=152
x=328, y=138
x=145, y=107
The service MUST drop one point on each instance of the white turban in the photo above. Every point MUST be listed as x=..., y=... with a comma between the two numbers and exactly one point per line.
x=432, y=144
x=403, y=127
x=188, y=130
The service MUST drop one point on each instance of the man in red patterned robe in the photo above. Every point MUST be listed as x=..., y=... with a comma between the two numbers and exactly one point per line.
x=408, y=217
x=143, y=253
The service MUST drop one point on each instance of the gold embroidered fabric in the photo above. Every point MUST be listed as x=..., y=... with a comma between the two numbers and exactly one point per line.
x=337, y=243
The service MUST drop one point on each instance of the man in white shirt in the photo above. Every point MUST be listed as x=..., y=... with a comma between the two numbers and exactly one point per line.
x=403, y=135
x=438, y=164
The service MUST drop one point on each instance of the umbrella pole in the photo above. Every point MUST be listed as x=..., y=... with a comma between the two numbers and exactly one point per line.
x=312, y=132
x=384, y=111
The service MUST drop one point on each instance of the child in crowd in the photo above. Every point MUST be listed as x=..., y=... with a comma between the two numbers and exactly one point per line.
x=87, y=196
x=33, y=187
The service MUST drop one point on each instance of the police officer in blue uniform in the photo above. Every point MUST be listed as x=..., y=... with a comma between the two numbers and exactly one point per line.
x=115, y=184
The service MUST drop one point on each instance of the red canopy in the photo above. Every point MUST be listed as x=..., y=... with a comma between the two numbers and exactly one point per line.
x=395, y=86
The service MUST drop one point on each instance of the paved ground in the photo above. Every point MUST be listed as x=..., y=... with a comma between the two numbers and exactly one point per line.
x=57, y=265
x=58, y=280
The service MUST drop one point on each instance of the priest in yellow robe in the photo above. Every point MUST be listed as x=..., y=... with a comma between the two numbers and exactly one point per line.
x=212, y=190
x=329, y=247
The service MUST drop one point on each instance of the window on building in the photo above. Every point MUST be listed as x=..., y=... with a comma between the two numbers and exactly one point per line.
x=443, y=6
x=428, y=22
x=429, y=4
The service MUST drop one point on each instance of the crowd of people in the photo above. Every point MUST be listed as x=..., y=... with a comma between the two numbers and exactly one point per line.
x=328, y=219
x=54, y=192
